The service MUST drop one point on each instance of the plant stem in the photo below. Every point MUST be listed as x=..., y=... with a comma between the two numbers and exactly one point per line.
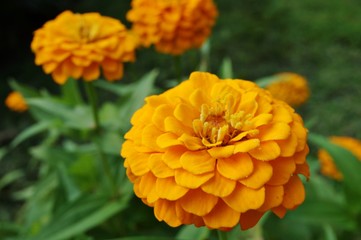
x=93, y=100
x=222, y=235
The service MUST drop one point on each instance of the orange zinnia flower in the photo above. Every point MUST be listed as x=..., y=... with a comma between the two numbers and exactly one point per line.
x=172, y=26
x=328, y=167
x=216, y=153
x=289, y=87
x=78, y=45
x=16, y=102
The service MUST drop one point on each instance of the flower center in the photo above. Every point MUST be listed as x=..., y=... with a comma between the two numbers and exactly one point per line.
x=219, y=123
x=87, y=31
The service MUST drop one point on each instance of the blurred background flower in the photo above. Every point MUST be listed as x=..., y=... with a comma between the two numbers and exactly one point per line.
x=16, y=102
x=289, y=87
x=216, y=153
x=172, y=26
x=79, y=45
x=328, y=167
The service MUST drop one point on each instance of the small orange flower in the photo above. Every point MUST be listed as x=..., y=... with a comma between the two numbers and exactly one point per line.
x=78, y=45
x=173, y=26
x=16, y=102
x=216, y=153
x=290, y=87
x=328, y=167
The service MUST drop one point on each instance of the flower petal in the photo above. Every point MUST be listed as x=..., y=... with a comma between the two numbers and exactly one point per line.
x=235, y=167
x=197, y=162
x=197, y=98
x=192, y=143
x=168, y=189
x=167, y=140
x=274, y=197
x=268, y=150
x=185, y=114
x=171, y=124
x=294, y=193
x=160, y=113
x=262, y=172
x=91, y=72
x=158, y=167
x=172, y=155
x=222, y=216
x=221, y=152
x=280, y=211
x=147, y=189
x=288, y=146
x=138, y=163
x=274, y=131
x=189, y=180
x=283, y=168
x=246, y=146
x=198, y=202
x=165, y=211
x=219, y=186
x=250, y=219
x=149, y=134
x=243, y=198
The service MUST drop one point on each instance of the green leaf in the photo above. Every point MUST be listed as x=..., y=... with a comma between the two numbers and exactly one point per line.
x=143, y=88
x=226, y=70
x=191, y=232
x=80, y=216
x=205, y=54
x=111, y=143
x=144, y=238
x=3, y=151
x=26, y=91
x=319, y=212
x=329, y=232
x=71, y=189
x=118, y=89
x=348, y=164
x=10, y=177
x=30, y=132
x=265, y=81
x=78, y=117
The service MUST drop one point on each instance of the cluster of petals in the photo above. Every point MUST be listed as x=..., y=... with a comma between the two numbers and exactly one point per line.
x=216, y=153
x=81, y=45
x=290, y=87
x=173, y=26
x=328, y=167
x=16, y=102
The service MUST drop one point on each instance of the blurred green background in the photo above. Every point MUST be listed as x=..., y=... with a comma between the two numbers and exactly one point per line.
x=318, y=39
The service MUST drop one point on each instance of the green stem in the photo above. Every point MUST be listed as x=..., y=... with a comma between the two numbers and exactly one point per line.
x=93, y=100
x=222, y=235
x=178, y=68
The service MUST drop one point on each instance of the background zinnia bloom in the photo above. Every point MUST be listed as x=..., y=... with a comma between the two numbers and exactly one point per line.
x=78, y=45
x=172, y=26
x=16, y=102
x=290, y=87
x=328, y=167
x=216, y=153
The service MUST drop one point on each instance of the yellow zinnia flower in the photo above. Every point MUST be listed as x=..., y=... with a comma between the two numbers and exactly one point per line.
x=289, y=87
x=216, y=153
x=173, y=26
x=78, y=45
x=16, y=102
x=328, y=167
